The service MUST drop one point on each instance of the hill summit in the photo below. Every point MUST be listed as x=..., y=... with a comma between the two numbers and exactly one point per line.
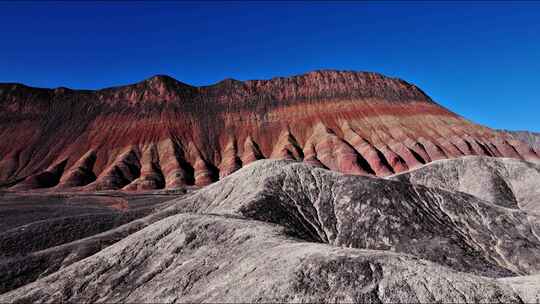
x=162, y=133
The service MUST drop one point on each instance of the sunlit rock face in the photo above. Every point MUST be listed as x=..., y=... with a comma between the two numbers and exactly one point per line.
x=286, y=231
x=161, y=133
x=531, y=138
x=506, y=182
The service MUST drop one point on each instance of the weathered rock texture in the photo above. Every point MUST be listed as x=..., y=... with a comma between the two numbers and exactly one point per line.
x=286, y=231
x=161, y=133
x=503, y=181
x=531, y=138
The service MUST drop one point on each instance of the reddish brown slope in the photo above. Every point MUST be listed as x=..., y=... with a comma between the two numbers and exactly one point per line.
x=163, y=133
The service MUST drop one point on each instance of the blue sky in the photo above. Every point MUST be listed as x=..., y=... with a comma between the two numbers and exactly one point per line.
x=480, y=59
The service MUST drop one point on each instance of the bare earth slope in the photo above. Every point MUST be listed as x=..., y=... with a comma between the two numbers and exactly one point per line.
x=288, y=231
x=530, y=138
x=506, y=182
x=33, y=223
x=161, y=133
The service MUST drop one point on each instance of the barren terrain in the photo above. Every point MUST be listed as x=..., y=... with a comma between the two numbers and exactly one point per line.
x=332, y=186
x=289, y=231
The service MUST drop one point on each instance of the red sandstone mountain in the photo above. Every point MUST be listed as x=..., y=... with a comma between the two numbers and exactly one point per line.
x=161, y=133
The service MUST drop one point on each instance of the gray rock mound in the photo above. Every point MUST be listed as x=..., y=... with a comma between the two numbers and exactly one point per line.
x=282, y=231
x=211, y=258
x=503, y=181
x=454, y=229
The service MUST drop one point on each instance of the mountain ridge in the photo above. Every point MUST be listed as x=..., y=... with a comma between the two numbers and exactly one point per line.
x=163, y=133
x=167, y=78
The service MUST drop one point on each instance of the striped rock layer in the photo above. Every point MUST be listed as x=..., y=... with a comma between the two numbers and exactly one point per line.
x=161, y=133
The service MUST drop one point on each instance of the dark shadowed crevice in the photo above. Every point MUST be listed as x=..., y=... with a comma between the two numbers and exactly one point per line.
x=417, y=156
x=469, y=146
x=384, y=161
x=484, y=149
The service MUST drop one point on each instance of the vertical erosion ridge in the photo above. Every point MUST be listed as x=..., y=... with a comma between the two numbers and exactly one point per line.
x=161, y=133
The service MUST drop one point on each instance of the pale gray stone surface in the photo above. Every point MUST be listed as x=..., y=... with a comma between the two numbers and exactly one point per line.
x=528, y=287
x=506, y=182
x=191, y=258
x=287, y=232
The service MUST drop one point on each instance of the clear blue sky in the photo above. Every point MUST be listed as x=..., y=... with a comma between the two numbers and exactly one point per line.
x=481, y=60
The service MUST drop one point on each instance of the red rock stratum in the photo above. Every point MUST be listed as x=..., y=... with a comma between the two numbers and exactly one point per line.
x=161, y=133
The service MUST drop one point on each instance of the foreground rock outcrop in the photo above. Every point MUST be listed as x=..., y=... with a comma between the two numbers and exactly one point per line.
x=286, y=231
x=161, y=133
x=502, y=181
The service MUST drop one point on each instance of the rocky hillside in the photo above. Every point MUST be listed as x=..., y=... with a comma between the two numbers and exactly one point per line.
x=285, y=231
x=508, y=183
x=161, y=133
x=530, y=138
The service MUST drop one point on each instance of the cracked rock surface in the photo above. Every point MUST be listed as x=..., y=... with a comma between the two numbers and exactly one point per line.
x=502, y=181
x=286, y=231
